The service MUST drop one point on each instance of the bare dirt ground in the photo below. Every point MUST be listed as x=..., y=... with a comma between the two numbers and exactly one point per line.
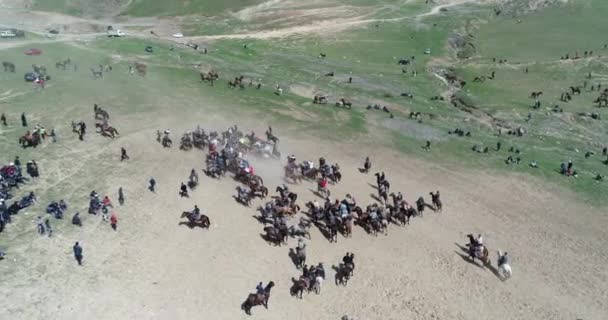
x=153, y=268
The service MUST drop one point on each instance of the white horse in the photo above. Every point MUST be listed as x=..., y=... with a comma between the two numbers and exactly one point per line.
x=504, y=270
x=317, y=285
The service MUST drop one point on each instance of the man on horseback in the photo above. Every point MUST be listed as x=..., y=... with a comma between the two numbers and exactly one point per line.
x=195, y=215
x=183, y=191
x=503, y=259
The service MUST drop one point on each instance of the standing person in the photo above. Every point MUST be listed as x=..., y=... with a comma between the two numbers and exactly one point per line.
x=152, y=185
x=53, y=135
x=76, y=220
x=47, y=224
x=121, y=196
x=78, y=253
x=23, y=120
x=123, y=154
x=183, y=191
x=3, y=119
x=40, y=225
x=113, y=220
x=367, y=165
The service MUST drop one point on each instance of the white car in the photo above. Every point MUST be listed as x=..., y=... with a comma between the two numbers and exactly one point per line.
x=7, y=34
x=115, y=33
x=178, y=35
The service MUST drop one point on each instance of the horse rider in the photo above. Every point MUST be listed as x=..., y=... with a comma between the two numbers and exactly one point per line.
x=323, y=183
x=259, y=289
x=503, y=259
x=183, y=190
x=196, y=213
x=301, y=245
x=193, y=176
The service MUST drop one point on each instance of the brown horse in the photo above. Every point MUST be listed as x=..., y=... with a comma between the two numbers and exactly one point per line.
x=8, y=66
x=290, y=210
x=31, y=140
x=291, y=174
x=344, y=272
x=259, y=191
x=256, y=299
x=141, y=69
x=299, y=286
x=275, y=235
x=203, y=221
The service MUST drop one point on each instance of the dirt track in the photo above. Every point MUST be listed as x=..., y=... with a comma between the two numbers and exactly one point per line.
x=153, y=268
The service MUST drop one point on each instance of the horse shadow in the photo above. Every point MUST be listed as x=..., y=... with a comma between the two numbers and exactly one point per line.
x=187, y=223
x=468, y=259
x=261, y=219
x=294, y=257
x=316, y=193
x=337, y=274
x=463, y=249
x=323, y=229
x=375, y=197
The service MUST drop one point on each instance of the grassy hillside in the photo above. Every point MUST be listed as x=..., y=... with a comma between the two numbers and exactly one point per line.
x=369, y=54
x=182, y=7
x=92, y=8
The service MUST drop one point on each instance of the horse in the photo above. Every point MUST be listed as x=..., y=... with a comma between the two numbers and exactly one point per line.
x=437, y=205
x=504, y=270
x=289, y=210
x=8, y=66
x=109, y=131
x=243, y=196
x=203, y=221
x=316, y=287
x=483, y=256
x=310, y=174
x=256, y=299
x=292, y=175
x=140, y=68
x=300, y=258
x=301, y=229
x=259, y=191
x=166, y=142
x=277, y=236
x=299, y=286
x=97, y=73
x=344, y=272
x=29, y=141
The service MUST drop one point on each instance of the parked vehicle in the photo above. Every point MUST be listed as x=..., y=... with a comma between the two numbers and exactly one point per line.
x=7, y=34
x=115, y=33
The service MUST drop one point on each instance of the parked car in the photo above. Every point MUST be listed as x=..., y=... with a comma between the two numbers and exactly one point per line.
x=178, y=35
x=33, y=52
x=149, y=49
x=115, y=33
x=7, y=34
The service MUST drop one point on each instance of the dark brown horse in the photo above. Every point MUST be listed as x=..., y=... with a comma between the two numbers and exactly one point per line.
x=256, y=299
x=203, y=221
x=299, y=286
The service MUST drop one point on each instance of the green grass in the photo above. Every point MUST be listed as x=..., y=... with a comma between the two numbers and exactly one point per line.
x=577, y=25
x=370, y=55
x=181, y=7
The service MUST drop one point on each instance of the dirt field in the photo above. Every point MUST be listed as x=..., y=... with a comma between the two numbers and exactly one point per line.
x=154, y=268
